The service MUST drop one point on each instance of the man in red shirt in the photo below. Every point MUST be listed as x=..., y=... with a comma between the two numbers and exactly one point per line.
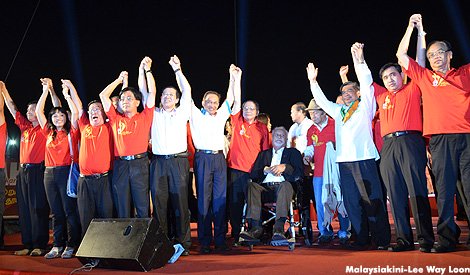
x=403, y=155
x=131, y=132
x=446, y=120
x=249, y=138
x=94, y=199
x=321, y=132
x=32, y=202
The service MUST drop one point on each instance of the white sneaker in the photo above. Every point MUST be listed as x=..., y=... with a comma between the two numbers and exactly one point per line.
x=54, y=253
x=68, y=253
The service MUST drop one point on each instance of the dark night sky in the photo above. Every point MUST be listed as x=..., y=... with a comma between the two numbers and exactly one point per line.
x=90, y=42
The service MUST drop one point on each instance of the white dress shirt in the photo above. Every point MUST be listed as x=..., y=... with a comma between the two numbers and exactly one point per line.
x=298, y=132
x=276, y=160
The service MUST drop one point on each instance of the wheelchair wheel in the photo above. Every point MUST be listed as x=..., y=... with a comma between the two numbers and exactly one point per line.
x=291, y=246
x=250, y=247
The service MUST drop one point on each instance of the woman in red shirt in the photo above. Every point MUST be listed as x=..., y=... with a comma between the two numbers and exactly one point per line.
x=58, y=132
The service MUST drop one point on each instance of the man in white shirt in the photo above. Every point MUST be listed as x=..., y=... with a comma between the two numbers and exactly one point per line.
x=169, y=169
x=356, y=155
x=210, y=166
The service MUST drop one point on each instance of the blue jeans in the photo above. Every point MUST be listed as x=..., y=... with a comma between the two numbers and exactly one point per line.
x=343, y=221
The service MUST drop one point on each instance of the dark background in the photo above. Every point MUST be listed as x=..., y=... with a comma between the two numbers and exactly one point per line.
x=90, y=42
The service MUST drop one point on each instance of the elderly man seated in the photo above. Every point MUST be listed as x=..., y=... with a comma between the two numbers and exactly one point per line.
x=275, y=170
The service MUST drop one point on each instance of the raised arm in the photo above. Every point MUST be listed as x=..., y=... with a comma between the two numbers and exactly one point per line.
x=7, y=99
x=142, y=82
x=183, y=83
x=106, y=93
x=364, y=76
x=402, y=52
x=41, y=103
x=343, y=73
x=328, y=106
x=72, y=107
x=421, y=42
x=236, y=75
x=230, y=96
x=55, y=99
x=149, y=98
x=75, y=98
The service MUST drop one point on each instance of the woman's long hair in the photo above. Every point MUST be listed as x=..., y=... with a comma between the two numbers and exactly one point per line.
x=51, y=125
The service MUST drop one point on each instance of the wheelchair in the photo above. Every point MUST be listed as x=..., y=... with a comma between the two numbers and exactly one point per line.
x=268, y=216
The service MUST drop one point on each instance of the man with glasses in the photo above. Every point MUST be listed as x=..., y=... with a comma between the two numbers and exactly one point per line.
x=356, y=155
x=249, y=138
x=130, y=129
x=446, y=121
x=169, y=169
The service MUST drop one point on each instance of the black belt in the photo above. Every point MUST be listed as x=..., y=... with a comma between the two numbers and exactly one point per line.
x=400, y=133
x=213, y=152
x=271, y=183
x=94, y=176
x=171, y=156
x=132, y=157
x=29, y=165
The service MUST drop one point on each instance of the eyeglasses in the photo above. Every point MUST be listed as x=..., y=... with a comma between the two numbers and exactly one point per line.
x=127, y=98
x=96, y=110
x=249, y=108
x=440, y=52
x=279, y=135
x=349, y=91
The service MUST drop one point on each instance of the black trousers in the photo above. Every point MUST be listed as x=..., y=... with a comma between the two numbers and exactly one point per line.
x=169, y=185
x=94, y=200
x=283, y=196
x=237, y=192
x=211, y=182
x=402, y=166
x=65, y=220
x=33, y=207
x=364, y=201
x=450, y=158
x=131, y=187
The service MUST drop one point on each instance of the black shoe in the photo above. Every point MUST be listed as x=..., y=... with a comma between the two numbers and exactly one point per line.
x=401, y=246
x=222, y=248
x=236, y=244
x=357, y=246
x=324, y=239
x=205, y=249
x=425, y=248
x=383, y=247
x=253, y=234
x=439, y=248
x=185, y=253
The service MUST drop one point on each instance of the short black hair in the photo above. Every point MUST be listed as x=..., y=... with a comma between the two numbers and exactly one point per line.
x=93, y=102
x=137, y=94
x=388, y=65
x=445, y=42
x=355, y=86
x=300, y=106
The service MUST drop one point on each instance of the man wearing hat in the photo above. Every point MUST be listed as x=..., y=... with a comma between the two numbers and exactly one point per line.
x=321, y=132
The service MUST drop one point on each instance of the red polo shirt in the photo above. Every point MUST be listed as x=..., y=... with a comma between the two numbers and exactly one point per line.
x=401, y=110
x=320, y=138
x=58, y=148
x=96, y=147
x=131, y=135
x=247, y=141
x=33, y=141
x=446, y=99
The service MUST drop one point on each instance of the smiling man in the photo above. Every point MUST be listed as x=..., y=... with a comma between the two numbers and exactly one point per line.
x=446, y=120
x=130, y=134
x=356, y=155
x=210, y=167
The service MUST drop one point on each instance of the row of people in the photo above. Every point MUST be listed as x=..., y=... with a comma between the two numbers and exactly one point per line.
x=120, y=145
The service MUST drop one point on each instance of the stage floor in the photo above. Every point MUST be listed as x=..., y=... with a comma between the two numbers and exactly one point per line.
x=331, y=259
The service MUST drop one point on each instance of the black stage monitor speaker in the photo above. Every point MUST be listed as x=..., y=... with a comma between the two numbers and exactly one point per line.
x=131, y=244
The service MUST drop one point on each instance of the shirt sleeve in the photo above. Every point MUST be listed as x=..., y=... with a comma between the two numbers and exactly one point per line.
x=331, y=108
x=367, y=90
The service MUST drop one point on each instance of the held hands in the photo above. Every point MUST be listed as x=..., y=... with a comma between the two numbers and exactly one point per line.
x=46, y=84
x=416, y=21
x=312, y=72
x=235, y=73
x=146, y=63
x=66, y=86
x=175, y=63
x=357, y=52
x=123, y=76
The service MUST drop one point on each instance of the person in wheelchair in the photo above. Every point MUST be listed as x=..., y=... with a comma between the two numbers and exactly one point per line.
x=274, y=170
